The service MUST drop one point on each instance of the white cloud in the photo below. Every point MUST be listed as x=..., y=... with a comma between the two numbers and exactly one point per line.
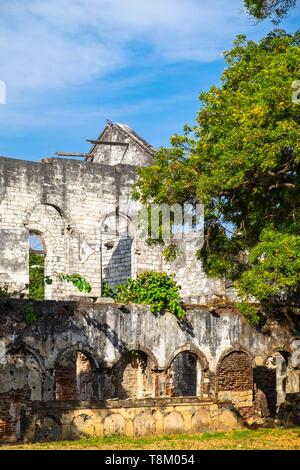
x=56, y=43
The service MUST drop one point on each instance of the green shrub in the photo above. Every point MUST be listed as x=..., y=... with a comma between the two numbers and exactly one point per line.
x=107, y=290
x=159, y=290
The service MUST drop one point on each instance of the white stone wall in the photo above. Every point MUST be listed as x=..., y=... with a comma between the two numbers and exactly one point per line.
x=65, y=202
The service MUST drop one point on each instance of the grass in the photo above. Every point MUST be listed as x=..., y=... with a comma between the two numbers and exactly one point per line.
x=265, y=439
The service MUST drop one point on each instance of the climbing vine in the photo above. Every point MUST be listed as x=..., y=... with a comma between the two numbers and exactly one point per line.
x=76, y=279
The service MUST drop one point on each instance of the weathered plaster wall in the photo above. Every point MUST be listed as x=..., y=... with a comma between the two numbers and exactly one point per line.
x=100, y=351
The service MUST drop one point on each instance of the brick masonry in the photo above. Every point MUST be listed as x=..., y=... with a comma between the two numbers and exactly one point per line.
x=235, y=379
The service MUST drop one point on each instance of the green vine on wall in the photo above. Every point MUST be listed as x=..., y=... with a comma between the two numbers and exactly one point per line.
x=76, y=279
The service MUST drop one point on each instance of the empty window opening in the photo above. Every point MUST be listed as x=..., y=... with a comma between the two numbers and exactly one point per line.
x=74, y=377
x=184, y=375
x=37, y=255
x=131, y=376
x=116, y=250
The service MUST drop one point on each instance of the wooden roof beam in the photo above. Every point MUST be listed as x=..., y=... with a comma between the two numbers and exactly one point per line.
x=106, y=142
x=73, y=154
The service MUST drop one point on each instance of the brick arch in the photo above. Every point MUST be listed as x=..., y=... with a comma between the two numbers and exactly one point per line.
x=32, y=207
x=134, y=374
x=92, y=355
x=194, y=350
x=234, y=348
x=21, y=379
x=234, y=377
x=185, y=373
x=23, y=372
x=75, y=374
x=150, y=354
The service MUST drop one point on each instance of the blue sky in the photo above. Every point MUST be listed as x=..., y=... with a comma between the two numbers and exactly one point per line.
x=70, y=64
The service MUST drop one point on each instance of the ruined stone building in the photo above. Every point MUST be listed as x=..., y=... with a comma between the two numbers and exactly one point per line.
x=84, y=215
x=87, y=366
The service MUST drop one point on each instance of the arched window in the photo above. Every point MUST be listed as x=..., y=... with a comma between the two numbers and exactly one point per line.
x=235, y=379
x=74, y=377
x=37, y=254
x=184, y=375
x=131, y=376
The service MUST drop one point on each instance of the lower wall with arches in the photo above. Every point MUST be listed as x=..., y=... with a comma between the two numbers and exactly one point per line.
x=98, y=356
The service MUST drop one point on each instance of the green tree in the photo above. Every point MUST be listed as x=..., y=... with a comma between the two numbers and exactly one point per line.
x=36, y=276
x=241, y=160
x=275, y=9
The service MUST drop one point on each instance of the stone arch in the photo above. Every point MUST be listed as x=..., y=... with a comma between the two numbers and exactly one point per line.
x=276, y=377
x=153, y=362
x=132, y=376
x=117, y=240
x=22, y=373
x=264, y=378
x=83, y=425
x=193, y=349
x=35, y=206
x=173, y=423
x=185, y=372
x=23, y=347
x=48, y=222
x=39, y=235
x=283, y=377
x=114, y=424
x=75, y=375
x=144, y=423
x=234, y=377
x=273, y=379
x=91, y=353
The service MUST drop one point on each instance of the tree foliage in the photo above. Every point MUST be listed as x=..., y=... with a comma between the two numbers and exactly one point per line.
x=36, y=276
x=242, y=160
x=275, y=9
